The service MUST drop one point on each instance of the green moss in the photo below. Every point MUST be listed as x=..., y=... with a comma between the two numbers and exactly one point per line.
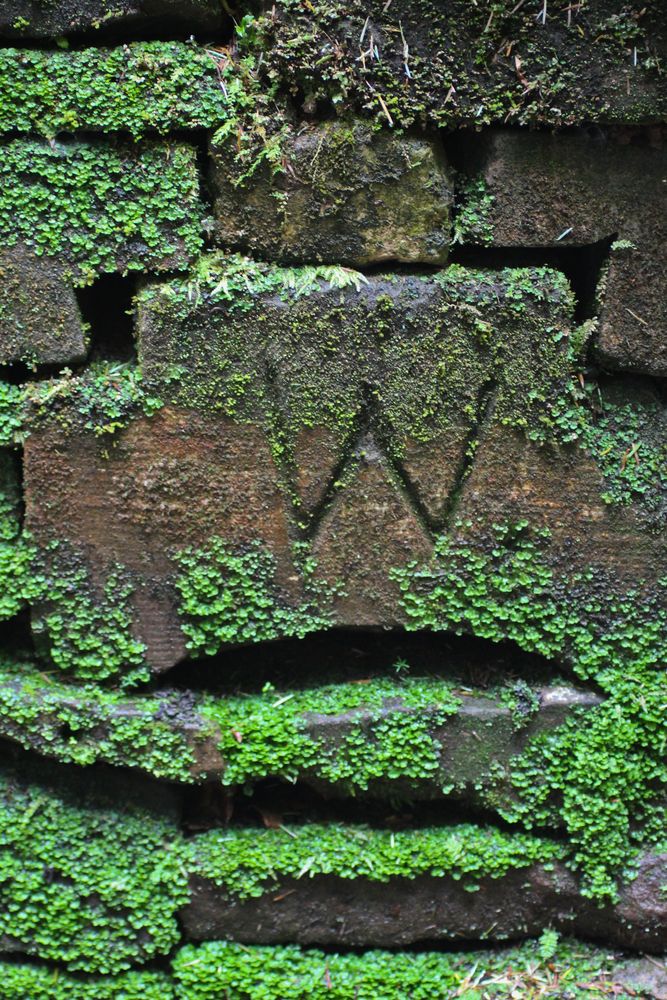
x=103, y=399
x=83, y=723
x=10, y=413
x=134, y=88
x=231, y=596
x=604, y=774
x=238, y=972
x=421, y=350
x=36, y=982
x=632, y=459
x=268, y=735
x=87, y=884
x=86, y=629
x=600, y=774
x=246, y=862
x=102, y=207
x=472, y=220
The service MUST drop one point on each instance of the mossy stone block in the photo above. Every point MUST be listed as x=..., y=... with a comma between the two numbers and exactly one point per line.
x=137, y=88
x=359, y=887
x=344, y=193
x=40, y=321
x=99, y=207
x=418, y=61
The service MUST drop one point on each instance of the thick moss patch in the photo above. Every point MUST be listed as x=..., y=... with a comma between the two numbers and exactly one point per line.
x=244, y=862
x=239, y=972
x=147, y=86
x=601, y=774
x=83, y=882
x=37, y=982
x=101, y=207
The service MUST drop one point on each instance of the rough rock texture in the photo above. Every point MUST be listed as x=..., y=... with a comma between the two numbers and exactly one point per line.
x=547, y=190
x=326, y=910
x=416, y=60
x=645, y=976
x=345, y=194
x=360, y=421
x=36, y=19
x=40, y=322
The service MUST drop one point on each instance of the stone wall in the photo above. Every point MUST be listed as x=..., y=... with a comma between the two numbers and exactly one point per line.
x=333, y=493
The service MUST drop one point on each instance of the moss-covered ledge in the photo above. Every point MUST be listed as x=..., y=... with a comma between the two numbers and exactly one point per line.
x=365, y=887
x=411, y=737
x=136, y=88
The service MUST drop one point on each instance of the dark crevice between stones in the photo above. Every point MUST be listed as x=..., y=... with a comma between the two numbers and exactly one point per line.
x=16, y=638
x=142, y=27
x=342, y=655
x=114, y=786
x=19, y=372
x=106, y=309
x=273, y=802
x=581, y=265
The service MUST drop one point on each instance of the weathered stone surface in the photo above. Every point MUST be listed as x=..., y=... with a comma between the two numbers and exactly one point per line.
x=646, y=976
x=550, y=190
x=136, y=505
x=306, y=415
x=327, y=910
x=368, y=528
x=416, y=60
x=346, y=194
x=40, y=322
x=36, y=19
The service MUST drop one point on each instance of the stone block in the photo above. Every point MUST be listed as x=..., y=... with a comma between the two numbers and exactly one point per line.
x=307, y=900
x=40, y=322
x=301, y=418
x=539, y=190
x=24, y=19
x=101, y=207
x=345, y=193
x=558, y=65
x=465, y=738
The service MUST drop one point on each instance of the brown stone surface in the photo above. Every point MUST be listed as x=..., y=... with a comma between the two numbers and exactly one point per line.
x=325, y=910
x=560, y=489
x=37, y=19
x=40, y=321
x=347, y=194
x=567, y=190
x=171, y=481
x=369, y=527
